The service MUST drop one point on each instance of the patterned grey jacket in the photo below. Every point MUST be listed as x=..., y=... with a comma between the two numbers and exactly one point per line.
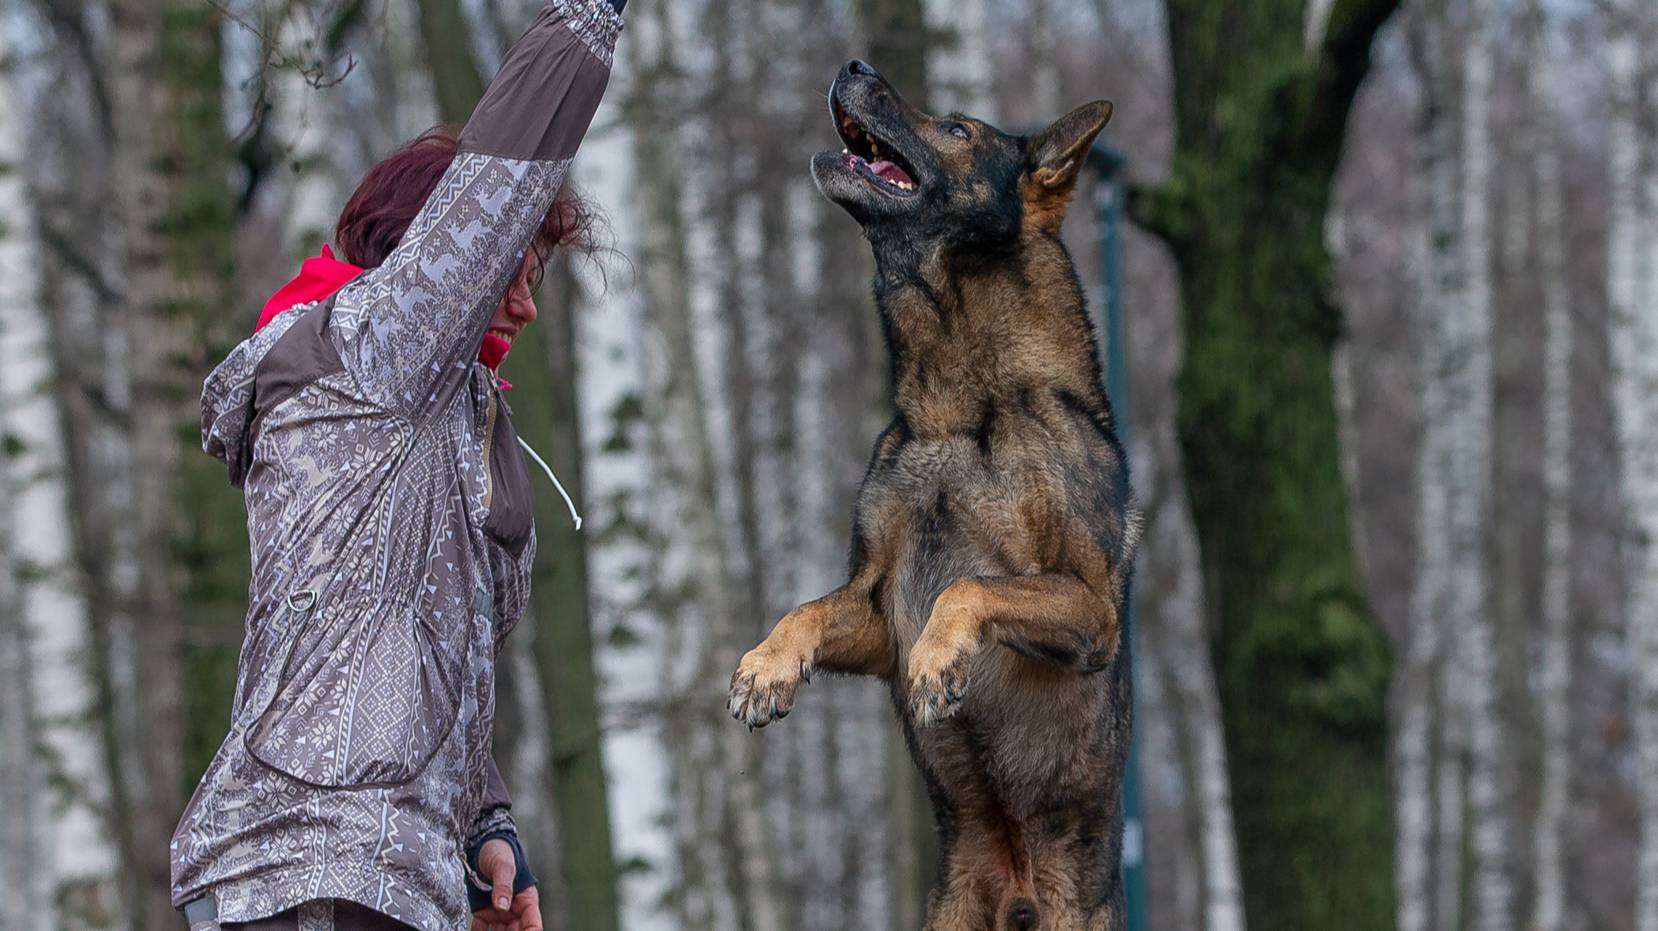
x=390, y=520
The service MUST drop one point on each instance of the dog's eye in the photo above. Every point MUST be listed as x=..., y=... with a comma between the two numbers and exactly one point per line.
x=958, y=130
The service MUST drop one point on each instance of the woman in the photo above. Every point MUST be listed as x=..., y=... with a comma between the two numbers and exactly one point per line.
x=390, y=522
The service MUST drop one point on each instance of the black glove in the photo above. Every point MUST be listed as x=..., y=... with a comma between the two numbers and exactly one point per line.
x=477, y=886
x=618, y=4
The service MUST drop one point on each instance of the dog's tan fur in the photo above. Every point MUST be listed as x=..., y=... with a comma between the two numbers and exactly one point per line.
x=993, y=536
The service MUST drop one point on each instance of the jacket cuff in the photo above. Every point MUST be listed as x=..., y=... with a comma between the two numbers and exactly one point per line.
x=542, y=100
x=496, y=820
x=478, y=888
x=596, y=22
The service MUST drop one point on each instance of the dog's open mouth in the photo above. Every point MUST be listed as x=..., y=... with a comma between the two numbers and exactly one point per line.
x=867, y=155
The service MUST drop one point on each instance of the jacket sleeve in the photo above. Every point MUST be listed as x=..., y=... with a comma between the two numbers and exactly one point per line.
x=495, y=814
x=409, y=330
x=495, y=820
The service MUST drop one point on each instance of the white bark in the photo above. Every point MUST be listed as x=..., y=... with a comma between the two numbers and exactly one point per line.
x=141, y=632
x=305, y=130
x=1191, y=679
x=1044, y=61
x=1430, y=768
x=1469, y=425
x=958, y=73
x=26, y=878
x=1414, y=684
x=690, y=569
x=1554, y=790
x=1634, y=336
x=1317, y=21
x=611, y=377
x=49, y=696
x=28, y=868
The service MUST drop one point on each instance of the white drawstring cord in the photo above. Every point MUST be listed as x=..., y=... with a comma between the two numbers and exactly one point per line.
x=549, y=470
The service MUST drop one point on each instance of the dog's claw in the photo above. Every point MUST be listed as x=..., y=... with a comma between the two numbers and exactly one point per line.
x=763, y=687
x=931, y=704
x=937, y=688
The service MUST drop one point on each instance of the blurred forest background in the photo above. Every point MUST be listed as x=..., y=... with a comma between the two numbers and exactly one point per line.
x=1390, y=285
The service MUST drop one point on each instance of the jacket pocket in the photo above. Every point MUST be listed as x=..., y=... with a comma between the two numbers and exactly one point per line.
x=369, y=689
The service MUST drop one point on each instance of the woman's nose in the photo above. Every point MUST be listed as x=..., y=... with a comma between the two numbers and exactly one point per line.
x=524, y=307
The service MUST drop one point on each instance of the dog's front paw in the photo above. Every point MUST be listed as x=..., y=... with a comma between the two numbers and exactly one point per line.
x=938, y=673
x=762, y=688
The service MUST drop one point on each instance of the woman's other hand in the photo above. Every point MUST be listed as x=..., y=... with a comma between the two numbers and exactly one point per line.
x=510, y=912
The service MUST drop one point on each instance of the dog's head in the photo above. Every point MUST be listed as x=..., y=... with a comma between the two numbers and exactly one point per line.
x=935, y=183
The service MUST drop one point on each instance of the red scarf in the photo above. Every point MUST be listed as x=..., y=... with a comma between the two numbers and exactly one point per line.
x=322, y=275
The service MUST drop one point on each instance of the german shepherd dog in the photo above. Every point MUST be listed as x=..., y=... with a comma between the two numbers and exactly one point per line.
x=994, y=534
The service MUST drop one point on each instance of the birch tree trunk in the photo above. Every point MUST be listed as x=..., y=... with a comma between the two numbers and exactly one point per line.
x=727, y=200
x=1555, y=788
x=28, y=875
x=305, y=130
x=687, y=588
x=136, y=461
x=169, y=171
x=1180, y=647
x=961, y=58
x=56, y=860
x=1415, y=685
x=1456, y=476
x=1634, y=338
x=774, y=67
x=1469, y=415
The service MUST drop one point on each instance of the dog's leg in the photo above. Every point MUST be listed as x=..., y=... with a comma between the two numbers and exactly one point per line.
x=1055, y=617
x=840, y=632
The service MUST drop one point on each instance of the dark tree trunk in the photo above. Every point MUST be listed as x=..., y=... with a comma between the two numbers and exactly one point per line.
x=1302, y=665
x=547, y=415
x=456, y=79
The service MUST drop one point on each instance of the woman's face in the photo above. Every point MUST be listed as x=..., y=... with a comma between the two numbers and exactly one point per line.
x=517, y=309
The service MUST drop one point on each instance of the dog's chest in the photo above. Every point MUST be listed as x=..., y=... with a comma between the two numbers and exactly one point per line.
x=940, y=511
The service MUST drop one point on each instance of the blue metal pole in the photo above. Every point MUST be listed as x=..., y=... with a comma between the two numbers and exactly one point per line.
x=1108, y=198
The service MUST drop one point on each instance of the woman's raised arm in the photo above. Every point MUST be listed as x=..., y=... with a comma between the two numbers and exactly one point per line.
x=409, y=330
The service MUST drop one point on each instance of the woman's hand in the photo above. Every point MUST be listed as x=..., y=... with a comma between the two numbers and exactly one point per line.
x=520, y=912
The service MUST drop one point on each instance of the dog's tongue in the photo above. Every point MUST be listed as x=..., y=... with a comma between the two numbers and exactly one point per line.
x=887, y=171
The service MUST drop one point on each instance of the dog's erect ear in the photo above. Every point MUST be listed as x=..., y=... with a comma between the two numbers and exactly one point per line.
x=1057, y=153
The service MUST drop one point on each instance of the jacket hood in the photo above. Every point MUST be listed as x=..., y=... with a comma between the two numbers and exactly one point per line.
x=228, y=401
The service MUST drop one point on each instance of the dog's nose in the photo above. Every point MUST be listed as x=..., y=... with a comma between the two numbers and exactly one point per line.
x=861, y=68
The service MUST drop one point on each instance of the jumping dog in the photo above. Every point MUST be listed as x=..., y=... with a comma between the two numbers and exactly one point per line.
x=994, y=532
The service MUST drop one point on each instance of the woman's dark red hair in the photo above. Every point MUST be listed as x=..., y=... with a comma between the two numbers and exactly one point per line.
x=393, y=191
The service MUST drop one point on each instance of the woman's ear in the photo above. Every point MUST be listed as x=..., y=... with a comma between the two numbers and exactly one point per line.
x=1057, y=153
